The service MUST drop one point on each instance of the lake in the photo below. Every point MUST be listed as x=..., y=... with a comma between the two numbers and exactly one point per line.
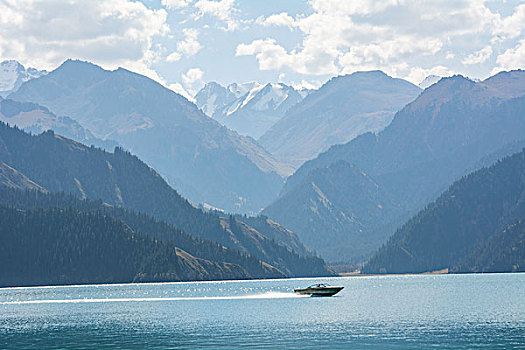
x=424, y=311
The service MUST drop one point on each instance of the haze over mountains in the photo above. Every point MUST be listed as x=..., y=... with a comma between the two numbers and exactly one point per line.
x=55, y=164
x=248, y=108
x=206, y=162
x=343, y=108
x=430, y=143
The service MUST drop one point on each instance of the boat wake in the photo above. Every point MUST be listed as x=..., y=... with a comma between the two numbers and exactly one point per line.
x=267, y=295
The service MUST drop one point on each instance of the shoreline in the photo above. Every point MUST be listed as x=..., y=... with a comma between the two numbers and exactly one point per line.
x=359, y=274
x=343, y=274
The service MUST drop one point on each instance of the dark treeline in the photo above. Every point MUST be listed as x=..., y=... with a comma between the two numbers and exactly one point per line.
x=503, y=252
x=141, y=225
x=475, y=226
x=66, y=246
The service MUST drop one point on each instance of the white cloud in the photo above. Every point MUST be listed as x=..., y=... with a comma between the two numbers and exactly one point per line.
x=222, y=9
x=192, y=76
x=513, y=58
x=354, y=7
x=417, y=74
x=393, y=35
x=511, y=26
x=270, y=55
x=114, y=33
x=175, y=4
x=187, y=47
x=281, y=19
x=173, y=57
x=178, y=88
x=306, y=85
x=190, y=46
x=478, y=56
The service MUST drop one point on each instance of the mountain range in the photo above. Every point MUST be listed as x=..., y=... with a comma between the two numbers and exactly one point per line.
x=342, y=109
x=56, y=164
x=431, y=142
x=249, y=108
x=205, y=161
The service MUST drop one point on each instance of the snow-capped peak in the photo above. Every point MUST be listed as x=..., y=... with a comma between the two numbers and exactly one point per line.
x=242, y=89
x=248, y=108
x=13, y=74
x=430, y=80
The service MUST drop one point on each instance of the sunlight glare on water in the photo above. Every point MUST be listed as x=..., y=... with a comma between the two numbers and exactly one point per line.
x=447, y=311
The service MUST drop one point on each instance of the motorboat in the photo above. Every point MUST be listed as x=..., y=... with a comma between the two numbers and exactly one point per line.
x=319, y=290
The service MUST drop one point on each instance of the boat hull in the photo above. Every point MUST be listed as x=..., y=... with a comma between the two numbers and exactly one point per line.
x=319, y=292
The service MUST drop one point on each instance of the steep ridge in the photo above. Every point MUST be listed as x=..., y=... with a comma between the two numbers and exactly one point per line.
x=446, y=132
x=343, y=108
x=470, y=227
x=203, y=160
x=213, y=98
x=118, y=179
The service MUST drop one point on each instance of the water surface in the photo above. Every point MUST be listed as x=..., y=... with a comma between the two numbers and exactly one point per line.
x=443, y=311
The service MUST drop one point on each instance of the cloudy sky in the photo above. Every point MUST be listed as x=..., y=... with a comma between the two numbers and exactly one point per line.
x=185, y=43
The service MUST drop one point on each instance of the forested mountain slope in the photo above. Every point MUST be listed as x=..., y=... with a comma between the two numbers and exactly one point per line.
x=140, y=225
x=476, y=225
x=70, y=247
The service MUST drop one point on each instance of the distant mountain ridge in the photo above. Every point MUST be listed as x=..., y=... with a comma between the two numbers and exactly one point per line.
x=37, y=119
x=449, y=129
x=342, y=109
x=203, y=160
x=13, y=75
x=248, y=108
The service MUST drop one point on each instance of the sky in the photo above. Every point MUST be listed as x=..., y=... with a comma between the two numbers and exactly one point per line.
x=185, y=43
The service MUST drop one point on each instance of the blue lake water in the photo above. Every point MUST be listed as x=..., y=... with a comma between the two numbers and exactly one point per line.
x=444, y=311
